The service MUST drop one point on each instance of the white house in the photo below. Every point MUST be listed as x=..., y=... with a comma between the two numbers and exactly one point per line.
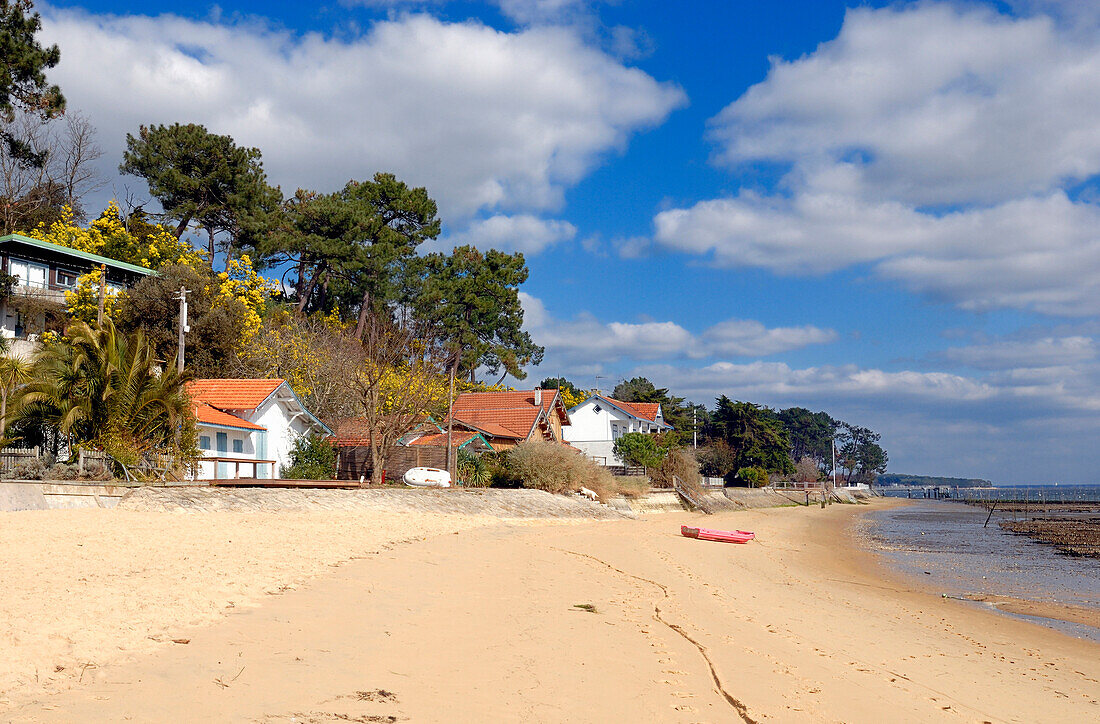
x=599, y=421
x=247, y=428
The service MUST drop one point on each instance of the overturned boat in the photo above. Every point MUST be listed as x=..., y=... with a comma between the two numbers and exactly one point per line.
x=724, y=536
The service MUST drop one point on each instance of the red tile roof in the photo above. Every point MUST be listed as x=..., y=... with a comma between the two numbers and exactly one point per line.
x=505, y=414
x=643, y=410
x=234, y=394
x=204, y=413
x=351, y=432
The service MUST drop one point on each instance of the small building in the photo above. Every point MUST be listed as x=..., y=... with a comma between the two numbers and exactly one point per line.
x=424, y=446
x=247, y=428
x=509, y=418
x=45, y=272
x=599, y=421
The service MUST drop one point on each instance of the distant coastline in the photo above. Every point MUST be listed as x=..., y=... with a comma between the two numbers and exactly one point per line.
x=902, y=479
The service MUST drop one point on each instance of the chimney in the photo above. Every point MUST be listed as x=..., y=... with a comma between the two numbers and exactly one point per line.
x=538, y=397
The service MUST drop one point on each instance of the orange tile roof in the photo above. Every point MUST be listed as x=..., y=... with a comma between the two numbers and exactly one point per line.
x=643, y=410
x=503, y=414
x=458, y=439
x=204, y=413
x=233, y=394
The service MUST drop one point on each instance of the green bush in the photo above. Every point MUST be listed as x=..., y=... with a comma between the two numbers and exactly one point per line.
x=638, y=448
x=313, y=458
x=754, y=477
x=473, y=470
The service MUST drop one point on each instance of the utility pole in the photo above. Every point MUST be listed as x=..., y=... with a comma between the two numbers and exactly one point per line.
x=102, y=293
x=832, y=445
x=694, y=428
x=184, y=327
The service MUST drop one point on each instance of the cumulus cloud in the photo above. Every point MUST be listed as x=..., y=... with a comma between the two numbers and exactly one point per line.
x=587, y=339
x=942, y=105
x=522, y=232
x=932, y=143
x=489, y=121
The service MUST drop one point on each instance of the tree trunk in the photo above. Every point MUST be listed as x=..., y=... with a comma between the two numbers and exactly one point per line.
x=210, y=245
x=377, y=462
x=303, y=298
x=182, y=226
x=3, y=410
x=364, y=312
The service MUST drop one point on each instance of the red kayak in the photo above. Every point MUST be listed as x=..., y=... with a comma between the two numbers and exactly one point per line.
x=725, y=536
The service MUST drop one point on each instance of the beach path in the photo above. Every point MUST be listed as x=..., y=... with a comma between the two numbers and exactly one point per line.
x=600, y=622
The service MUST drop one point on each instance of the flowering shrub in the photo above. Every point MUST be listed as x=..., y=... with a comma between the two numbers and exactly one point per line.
x=153, y=246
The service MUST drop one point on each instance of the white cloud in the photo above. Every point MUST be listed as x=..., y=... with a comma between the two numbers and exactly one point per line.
x=984, y=117
x=587, y=340
x=522, y=232
x=749, y=338
x=1011, y=354
x=488, y=121
x=946, y=105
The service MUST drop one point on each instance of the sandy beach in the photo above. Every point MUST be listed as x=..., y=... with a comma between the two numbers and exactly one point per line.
x=477, y=620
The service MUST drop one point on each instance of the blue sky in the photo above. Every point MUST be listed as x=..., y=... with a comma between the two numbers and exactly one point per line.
x=883, y=210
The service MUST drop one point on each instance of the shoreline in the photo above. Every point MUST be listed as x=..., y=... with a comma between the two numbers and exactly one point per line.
x=995, y=603
x=604, y=621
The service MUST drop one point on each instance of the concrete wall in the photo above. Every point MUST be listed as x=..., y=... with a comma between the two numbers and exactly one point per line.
x=49, y=495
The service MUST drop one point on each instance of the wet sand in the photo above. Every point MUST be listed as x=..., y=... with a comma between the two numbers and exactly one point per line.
x=608, y=621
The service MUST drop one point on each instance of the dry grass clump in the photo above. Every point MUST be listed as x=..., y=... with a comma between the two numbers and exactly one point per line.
x=679, y=463
x=631, y=486
x=556, y=469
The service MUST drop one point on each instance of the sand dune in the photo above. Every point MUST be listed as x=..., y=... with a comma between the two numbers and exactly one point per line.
x=609, y=621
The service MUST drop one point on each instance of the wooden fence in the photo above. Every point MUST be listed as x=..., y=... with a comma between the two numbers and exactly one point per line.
x=10, y=457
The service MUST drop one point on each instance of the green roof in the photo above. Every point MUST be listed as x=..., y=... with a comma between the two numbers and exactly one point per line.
x=96, y=258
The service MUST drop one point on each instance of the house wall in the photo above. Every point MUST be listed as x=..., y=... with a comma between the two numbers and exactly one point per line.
x=248, y=438
x=595, y=432
x=281, y=431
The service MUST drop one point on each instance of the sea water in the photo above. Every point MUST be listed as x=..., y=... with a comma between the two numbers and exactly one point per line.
x=949, y=545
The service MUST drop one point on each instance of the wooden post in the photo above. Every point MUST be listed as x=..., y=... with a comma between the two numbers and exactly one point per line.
x=80, y=461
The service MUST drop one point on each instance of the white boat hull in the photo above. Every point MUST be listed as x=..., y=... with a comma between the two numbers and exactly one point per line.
x=427, y=478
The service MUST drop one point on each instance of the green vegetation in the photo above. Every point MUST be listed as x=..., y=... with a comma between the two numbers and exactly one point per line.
x=474, y=298
x=99, y=388
x=473, y=470
x=23, y=85
x=205, y=178
x=638, y=448
x=902, y=479
x=313, y=458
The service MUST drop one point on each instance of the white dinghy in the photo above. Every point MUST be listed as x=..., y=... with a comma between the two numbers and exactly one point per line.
x=427, y=478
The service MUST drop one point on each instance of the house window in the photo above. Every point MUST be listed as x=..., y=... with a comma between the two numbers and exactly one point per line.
x=66, y=278
x=238, y=446
x=597, y=409
x=204, y=442
x=223, y=443
x=29, y=273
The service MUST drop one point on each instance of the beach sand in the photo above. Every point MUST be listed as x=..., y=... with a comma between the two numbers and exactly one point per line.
x=594, y=622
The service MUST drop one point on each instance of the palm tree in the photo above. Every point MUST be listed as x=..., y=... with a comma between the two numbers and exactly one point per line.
x=14, y=372
x=97, y=386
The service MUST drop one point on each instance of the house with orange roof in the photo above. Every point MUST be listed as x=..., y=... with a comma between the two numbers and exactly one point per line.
x=600, y=420
x=506, y=419
x=247, y=428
